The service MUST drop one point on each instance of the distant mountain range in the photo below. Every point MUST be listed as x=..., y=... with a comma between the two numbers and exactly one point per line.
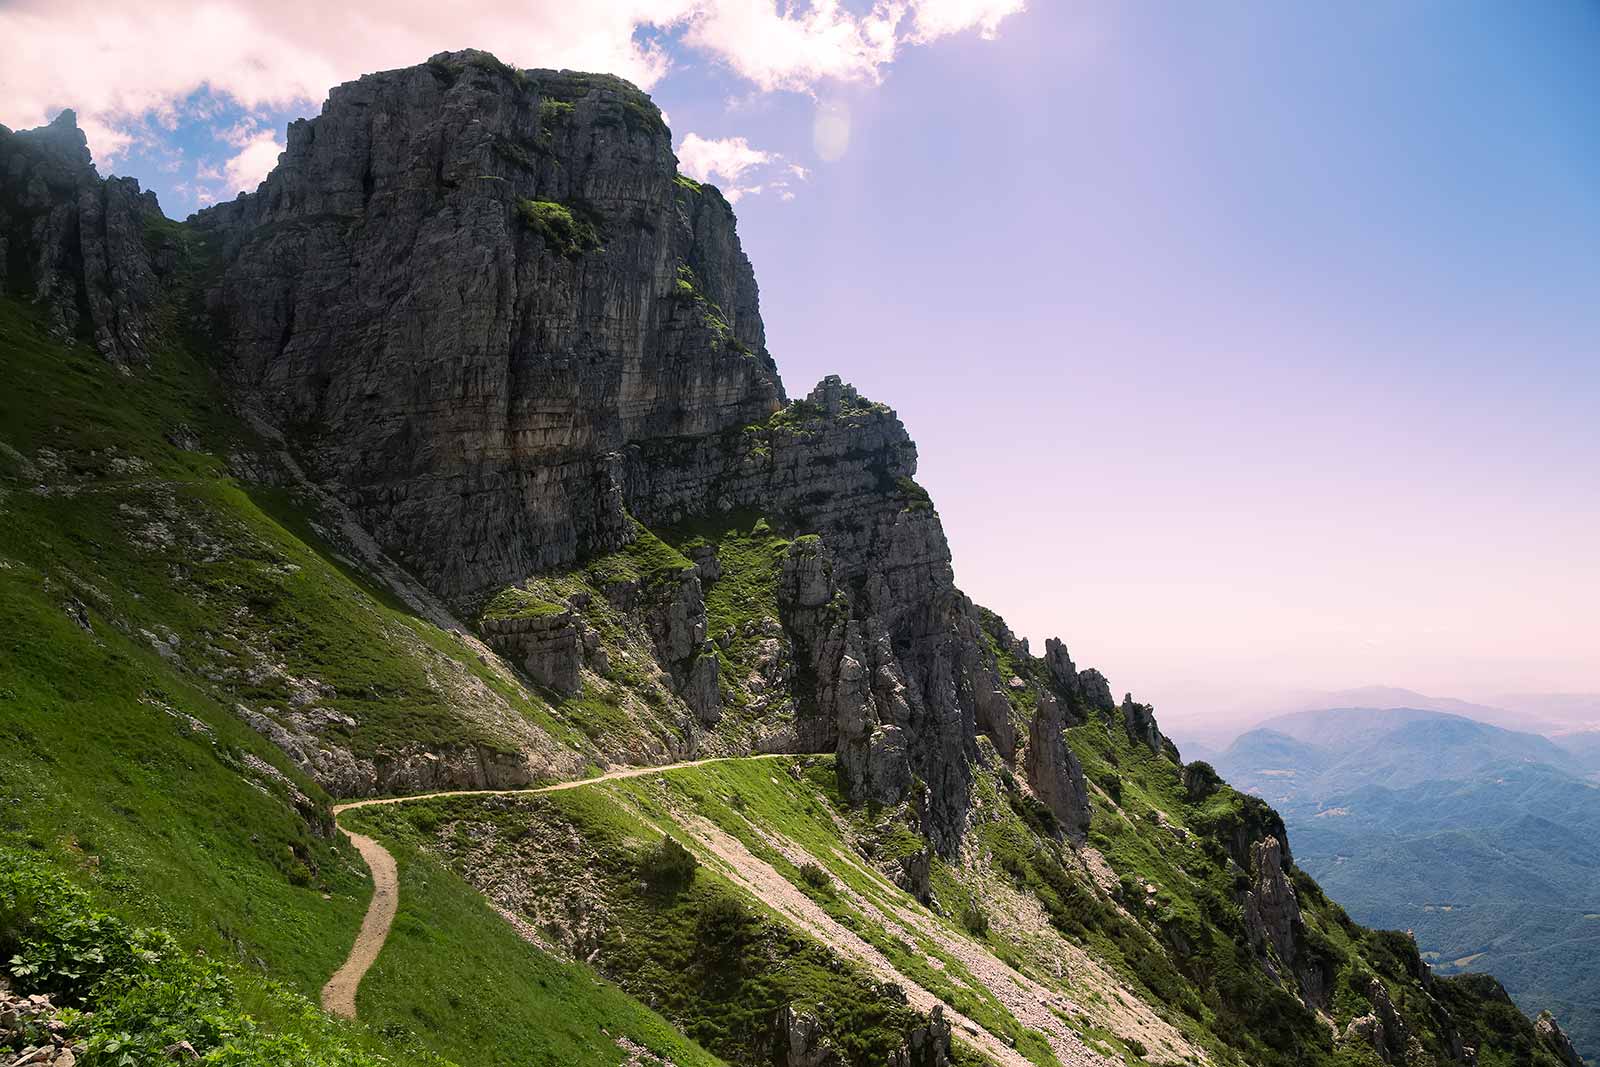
x=1482, y=840
x=1311, y=754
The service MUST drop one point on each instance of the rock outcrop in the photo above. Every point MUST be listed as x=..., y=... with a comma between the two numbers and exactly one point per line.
x=1139, y=721
x=1199, y=780
x=798, y=1041
x=1549, y=1034
x=89, y=252
x=548, y=648
x=1054, y=773
x=1381, y=1029
x=467, y=289
x=1096, y=691
x=926, y=1046
x=1063, y=672
x=1271, y=910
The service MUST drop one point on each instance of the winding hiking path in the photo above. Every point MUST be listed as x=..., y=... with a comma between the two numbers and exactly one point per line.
x=744, y=868
x=339, y=995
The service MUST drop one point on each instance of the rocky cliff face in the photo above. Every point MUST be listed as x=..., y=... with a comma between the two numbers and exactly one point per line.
x=90, y=252
x=490, y=317
x=466, y=289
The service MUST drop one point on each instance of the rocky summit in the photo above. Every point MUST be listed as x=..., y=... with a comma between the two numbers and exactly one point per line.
x=450, y=467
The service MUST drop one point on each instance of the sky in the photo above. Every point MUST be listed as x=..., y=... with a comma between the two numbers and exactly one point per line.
x=1251, y=348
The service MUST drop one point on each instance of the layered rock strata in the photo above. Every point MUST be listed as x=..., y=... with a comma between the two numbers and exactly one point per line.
x=91, y=253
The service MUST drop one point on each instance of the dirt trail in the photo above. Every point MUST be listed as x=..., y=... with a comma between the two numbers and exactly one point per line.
x=339, y=995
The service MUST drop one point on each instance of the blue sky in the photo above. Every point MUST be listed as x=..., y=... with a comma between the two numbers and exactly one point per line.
x=1250, y=347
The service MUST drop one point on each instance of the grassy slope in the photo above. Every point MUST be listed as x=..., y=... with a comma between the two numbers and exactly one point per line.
x=1195, y=905
x=452, y=979
x=125, y=770
x=714, y=961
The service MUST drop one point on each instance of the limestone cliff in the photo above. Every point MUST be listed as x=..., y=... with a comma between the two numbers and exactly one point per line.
x=494, y=320
x=486, y=314
x=90, y=252
x=466, y=289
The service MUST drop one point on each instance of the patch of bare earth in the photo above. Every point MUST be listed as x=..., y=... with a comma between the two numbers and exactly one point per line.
x=778, y=893
x=1104, y=1000
x=1030, y=1003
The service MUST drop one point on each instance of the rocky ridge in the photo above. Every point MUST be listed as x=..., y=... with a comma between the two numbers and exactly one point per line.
x=466, y=289
x=92, y=253
x=491, y=319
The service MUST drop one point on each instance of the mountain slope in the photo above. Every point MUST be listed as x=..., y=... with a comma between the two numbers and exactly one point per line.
x=1478, y=839
x=476, y=352
x=1497, y=874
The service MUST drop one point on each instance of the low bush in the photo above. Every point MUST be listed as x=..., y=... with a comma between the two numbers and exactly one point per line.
x=668, y=865
x=814, y=876
x=139, y=992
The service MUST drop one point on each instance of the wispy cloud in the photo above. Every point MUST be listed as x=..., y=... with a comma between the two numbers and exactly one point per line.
x=730, y=161
x=272, y=54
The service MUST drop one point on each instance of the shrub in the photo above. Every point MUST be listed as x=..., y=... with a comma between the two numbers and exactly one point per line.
x=814, y=876
x=1200, y=780
x=976, y=920
x=565, y=232
x=1111, y=782
x=724, y=925
x=668, y=865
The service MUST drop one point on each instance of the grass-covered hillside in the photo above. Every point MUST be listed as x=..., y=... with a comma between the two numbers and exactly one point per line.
x=199, y=648
x=164, y=863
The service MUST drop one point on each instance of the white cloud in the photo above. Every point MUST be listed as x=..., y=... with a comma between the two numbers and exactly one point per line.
x=727, y=161
x=796, y=49
x=932, y=19
x=256, y=158
x=117, y=66
x=705, y=159
x=122, y=67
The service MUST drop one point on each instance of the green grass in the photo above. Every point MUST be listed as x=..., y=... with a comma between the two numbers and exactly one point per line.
x=646, y=559
x=126, y=770
x=455, y=978
x=567, y=232
x=152, y=537
x=715, y=962
x=744, y=796
x=105, y=776
x=129, y=991
x=515, y=603
x=552, y=112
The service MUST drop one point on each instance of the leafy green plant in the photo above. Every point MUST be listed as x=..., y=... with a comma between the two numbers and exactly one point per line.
x=814, y=876
x=567, y=232
x=668, y=865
